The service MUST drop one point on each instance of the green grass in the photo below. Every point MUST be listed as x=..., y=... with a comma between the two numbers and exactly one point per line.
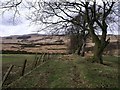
x=77, y=73
x=16, y=57
x=17, y=60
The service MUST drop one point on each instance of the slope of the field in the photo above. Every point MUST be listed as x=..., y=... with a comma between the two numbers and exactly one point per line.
x=71, y=71
x=36, y=43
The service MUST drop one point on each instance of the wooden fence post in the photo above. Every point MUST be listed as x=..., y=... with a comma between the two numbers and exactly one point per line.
x=7, y=74
x=50, y=56
x=35, y=56
x=47, y=56
x=23, y=69
x=43, y=57
x=36, y=61
x=39, y=59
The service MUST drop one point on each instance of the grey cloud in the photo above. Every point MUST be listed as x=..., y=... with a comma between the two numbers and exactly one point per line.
x=8, y=19
x=11, y=21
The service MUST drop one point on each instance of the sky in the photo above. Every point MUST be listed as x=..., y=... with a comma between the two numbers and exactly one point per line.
x=21, y=25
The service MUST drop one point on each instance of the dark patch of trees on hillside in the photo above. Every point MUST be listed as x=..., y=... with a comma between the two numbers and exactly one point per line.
x=25, y=52
x=15, y=52
x=28, y=45
x=8, y=37
x=23, y=37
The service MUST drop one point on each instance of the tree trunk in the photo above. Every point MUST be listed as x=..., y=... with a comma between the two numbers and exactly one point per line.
x=83, y=49
x=79, y=49
x=98, y=54
x=78, y=52
x=98, y=51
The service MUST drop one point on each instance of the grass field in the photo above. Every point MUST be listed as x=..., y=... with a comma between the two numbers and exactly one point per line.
x=68, y=71
x=17, y=60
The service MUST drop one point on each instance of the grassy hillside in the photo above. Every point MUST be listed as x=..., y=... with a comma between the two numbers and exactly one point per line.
x=50, y=44
x=35, y=43
x=71, y=71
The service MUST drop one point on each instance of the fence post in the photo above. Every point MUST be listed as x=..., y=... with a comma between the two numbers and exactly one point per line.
x=43, y=57
x=50, y=55
x=7, y=74
x=36, y=61
x=35, y=56
x=47, y=56
x=23, y=69
x=39, y=59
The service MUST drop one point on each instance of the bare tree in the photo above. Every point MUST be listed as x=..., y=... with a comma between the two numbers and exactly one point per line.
x=94, y=17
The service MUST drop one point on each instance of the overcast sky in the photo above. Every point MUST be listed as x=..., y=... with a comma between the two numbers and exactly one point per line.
x=20, y=26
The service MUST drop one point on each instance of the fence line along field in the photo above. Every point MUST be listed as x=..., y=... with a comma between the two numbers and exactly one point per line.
x=23, y=63
x=17, y=61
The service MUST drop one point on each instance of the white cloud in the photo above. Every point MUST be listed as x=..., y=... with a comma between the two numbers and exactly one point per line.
x=20, y=25
x=24, y=28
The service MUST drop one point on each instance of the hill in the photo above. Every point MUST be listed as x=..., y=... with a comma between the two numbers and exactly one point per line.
x=36, y=43
x=33, y=43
